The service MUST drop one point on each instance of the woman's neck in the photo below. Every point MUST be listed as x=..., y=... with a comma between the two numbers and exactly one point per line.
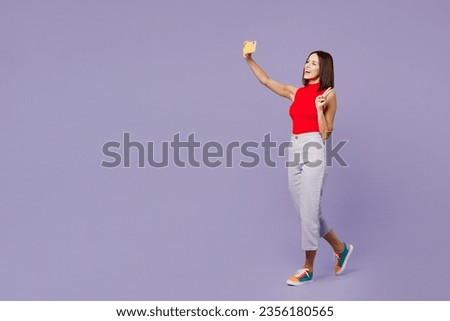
x=314, y=81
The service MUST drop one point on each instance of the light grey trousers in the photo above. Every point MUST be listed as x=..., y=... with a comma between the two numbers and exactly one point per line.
x=307, y=171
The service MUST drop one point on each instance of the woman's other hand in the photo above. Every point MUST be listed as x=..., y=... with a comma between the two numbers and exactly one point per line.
x=321, y=100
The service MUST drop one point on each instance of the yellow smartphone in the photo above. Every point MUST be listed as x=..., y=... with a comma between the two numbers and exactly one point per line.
x=249, y=47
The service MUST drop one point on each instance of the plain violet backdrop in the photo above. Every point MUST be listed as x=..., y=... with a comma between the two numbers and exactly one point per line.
x=77, y=74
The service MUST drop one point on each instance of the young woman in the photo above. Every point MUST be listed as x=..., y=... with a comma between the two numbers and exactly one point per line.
x=312, y=111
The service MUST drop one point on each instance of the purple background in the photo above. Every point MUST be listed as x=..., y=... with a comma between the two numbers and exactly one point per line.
x=76, y=74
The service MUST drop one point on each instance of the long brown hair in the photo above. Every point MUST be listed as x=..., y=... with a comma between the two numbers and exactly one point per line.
x=326, y=70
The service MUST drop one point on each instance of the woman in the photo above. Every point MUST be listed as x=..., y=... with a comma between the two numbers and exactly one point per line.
x=312, y=111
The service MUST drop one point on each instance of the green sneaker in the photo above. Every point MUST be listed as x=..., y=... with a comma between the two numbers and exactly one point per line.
x=342, y=259
x=301, y=277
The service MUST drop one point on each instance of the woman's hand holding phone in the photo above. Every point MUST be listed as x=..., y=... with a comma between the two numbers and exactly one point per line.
x=248, y=48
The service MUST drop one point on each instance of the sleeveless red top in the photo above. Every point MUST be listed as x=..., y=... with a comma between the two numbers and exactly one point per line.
x=303, y=110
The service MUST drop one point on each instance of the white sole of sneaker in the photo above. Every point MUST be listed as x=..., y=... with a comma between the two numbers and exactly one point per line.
x=350, y=250
x=292, y=283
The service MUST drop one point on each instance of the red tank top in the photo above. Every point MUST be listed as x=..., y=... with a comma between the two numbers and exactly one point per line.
x=303, y=110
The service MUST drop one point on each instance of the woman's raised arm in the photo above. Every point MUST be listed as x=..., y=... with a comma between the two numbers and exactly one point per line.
x=283, y=90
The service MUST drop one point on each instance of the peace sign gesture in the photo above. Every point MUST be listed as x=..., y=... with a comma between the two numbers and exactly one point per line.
x=321, y=100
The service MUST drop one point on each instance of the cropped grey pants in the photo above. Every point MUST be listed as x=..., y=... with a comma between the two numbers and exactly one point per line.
x=307, y=171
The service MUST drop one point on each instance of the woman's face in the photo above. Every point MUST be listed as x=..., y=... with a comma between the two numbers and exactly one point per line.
x=312, y=67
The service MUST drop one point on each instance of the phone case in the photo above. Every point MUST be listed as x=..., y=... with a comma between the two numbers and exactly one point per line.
x=250, y=47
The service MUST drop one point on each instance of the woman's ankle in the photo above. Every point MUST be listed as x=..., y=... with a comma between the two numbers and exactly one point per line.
x=308, y=267
x=339, y=248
